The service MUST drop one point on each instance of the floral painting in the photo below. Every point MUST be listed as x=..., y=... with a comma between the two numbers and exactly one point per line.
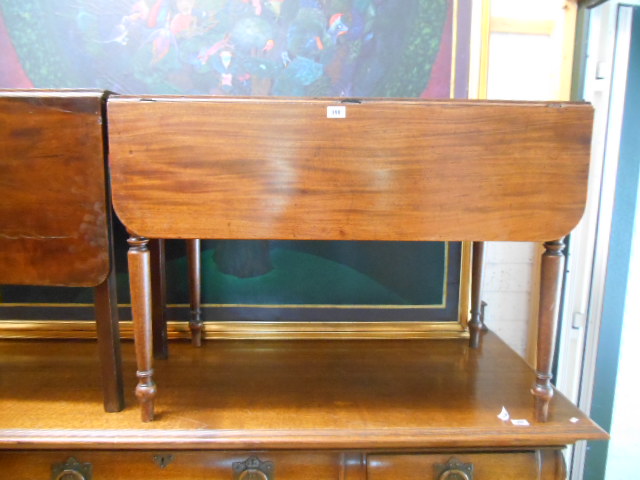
x=361, y=48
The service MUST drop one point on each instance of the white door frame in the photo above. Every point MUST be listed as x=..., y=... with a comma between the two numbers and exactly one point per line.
x=605, y=88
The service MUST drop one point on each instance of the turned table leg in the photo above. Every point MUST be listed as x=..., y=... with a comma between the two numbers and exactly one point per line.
x=476, y=324
x=195, y=320
x=159, y=298
x=108, y=333
x=140, y=284
x=550, y=287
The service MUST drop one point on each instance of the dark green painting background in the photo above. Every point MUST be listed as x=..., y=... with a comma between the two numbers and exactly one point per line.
x=362, y=48
x=302, y=272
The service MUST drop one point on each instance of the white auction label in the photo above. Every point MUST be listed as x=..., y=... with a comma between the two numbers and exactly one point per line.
x=337, y=112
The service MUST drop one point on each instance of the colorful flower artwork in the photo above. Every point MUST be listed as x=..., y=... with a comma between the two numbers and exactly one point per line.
x=355, y=48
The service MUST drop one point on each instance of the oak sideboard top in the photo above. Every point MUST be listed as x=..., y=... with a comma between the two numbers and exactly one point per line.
x=305, y=394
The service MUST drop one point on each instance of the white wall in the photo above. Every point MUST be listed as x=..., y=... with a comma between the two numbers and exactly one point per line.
x=624, y=445
x=625, y=429
x=529, y=47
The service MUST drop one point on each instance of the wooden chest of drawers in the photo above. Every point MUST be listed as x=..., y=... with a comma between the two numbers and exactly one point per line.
x=525, y=465
x=285, y=410
x=288, y=465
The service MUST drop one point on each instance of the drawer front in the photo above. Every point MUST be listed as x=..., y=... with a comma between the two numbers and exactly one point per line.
x=534, y=465
x=111, y=465
x=260, y=465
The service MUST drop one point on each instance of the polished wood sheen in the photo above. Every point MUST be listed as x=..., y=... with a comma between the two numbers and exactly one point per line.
x=491, y=466
x=350, y=394
x=325, y=410
x=141, y=308
x=550, y=290
x=349, y=410
x=206, y=167
x=55, y=213
x=288, y=465
x=180, y=465
x=53, y=207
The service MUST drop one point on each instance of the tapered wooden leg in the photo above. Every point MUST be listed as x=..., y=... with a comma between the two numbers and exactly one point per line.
x=195, y=320
x=159, y=299
x=476, y=324
x=108, y=333
x=550, y=286
x=140, y=284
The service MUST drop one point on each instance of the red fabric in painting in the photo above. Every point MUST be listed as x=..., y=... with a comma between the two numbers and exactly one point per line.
x=12, y=74
x=440, y=82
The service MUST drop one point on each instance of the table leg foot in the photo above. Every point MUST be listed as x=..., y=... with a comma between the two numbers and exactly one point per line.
x=146, y=393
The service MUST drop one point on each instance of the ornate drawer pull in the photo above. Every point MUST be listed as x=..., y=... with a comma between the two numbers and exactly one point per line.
x=253, y=469
x=454, y=469
x=68, y=474
x=71, y=470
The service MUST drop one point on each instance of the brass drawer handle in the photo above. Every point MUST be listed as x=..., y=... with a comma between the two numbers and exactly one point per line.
x=454, y=469
x=253, y=469
x=454, y=475
x=68, y=474
x=71, y=470
x=253, y=475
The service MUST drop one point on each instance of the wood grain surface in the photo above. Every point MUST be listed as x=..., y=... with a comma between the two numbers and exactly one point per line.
x=53, y=200
x=490, y=466
x=206, y=167
x=286, y=395
x=180, y=465
x=542, y=464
